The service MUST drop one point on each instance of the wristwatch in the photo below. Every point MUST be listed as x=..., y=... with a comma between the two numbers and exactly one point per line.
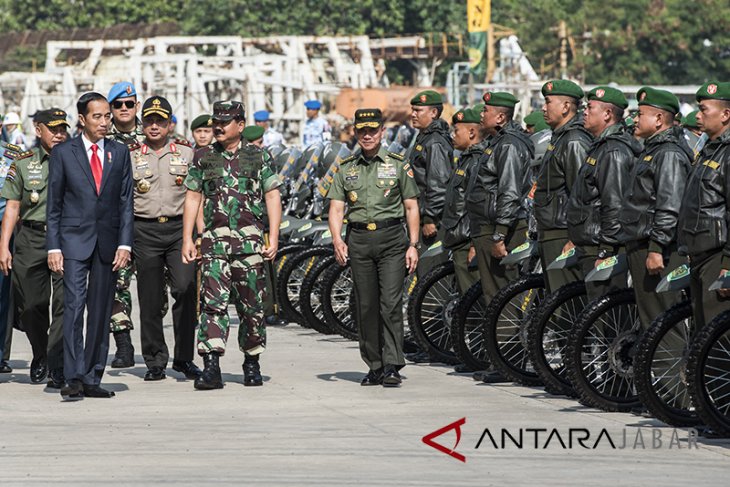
x=497, y=237
x=604, y=254
x=416, y=245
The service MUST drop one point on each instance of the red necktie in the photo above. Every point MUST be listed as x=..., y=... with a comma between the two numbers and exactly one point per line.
x=96, y=167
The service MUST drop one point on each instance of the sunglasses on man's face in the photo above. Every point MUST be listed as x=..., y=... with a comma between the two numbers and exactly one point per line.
x=128, y=103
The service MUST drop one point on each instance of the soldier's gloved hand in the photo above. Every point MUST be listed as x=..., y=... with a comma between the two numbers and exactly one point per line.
x=340, y=252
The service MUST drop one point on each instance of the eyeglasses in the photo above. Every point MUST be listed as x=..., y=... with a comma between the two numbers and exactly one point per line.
x=128, y=103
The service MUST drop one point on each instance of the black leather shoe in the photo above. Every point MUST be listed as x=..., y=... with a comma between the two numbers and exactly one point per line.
x=252, y=371
x=479, y=375
x=274, y=320
x=55, y=379
x=186, y=367
x=5, y=368
x=391, y=377
x=494, y=377
x=374, y=378
x=97, y=391
x=211, y=376
x=154, y=373
x=124, y=356
x=419, y=357
x=462, y=369
x=38, y=370
x=73, y=391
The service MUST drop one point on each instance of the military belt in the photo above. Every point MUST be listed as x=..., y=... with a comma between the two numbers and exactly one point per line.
x=35, y=225
x=159, y=219
x=371, y=226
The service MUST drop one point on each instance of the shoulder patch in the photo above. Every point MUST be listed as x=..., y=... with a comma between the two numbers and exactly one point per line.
x=12, y=171
x=395, y=155
x=181, y=141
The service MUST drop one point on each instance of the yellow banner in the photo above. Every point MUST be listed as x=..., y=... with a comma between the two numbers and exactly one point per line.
x=478, y=15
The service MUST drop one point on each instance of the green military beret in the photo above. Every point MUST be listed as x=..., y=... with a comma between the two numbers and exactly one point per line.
x=713, y=90
x=690, y=121
x=427, y=98
x=466, y=115
x=562, y=87
x=201, y=121
x=607, y=94
x=500, y=99
x=536, y=120
x=253, y=132
x=661, y=99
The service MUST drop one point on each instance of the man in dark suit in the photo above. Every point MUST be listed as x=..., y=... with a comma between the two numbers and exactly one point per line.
x=90, y=216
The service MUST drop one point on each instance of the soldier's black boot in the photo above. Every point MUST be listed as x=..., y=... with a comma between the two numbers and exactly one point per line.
x=211, y=376
x=124, y=357
x=252, y=371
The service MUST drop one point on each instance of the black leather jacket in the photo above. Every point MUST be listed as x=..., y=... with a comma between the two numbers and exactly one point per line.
x=705, y=213
x=598, y=192
x=655, y=190
x=565, y=153
x=499, y=183
x=456, y=220
x=431, y=159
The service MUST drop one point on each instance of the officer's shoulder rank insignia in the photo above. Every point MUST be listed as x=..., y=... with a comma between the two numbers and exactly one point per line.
x=133, y=145
x=348, y=159
x=183, y=142
x=23, y=155
x=396, y=156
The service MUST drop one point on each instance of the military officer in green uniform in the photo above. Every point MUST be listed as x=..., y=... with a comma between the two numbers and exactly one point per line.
x=235, y=178
x=202, y=130
x=653, y=198
x=159, y=168
x=565, y=153
x=379, y=189
x=25, y=191
x=535, y=122
x=457, y=236
x=704, y=216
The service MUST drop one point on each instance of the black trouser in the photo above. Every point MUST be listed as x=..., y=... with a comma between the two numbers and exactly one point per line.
x=32, y=285
x=158, y=246
x=377, y=259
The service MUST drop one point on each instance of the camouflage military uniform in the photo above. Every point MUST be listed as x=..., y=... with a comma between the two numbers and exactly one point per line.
x=233, y=185
x=122, y=308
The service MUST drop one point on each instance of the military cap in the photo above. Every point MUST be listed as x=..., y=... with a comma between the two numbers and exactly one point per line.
x=466, y=115
x=690, y=121
x=261, y=116
x=500, y=99
x=156, y=105
x=201, y=121
x=123, y=89
x=661, y=99
x=428, y=98
x=562, y=87
x=53, y=117
x=253, y=132
x=607, y=94
x=225, y=111
x=313, y=104
x=713, y=90
x=173, y=119
x=536, y=119
x=368, y=117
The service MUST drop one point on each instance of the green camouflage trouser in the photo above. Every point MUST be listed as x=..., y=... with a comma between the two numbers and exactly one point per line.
x=122, y=307
x=241, y=276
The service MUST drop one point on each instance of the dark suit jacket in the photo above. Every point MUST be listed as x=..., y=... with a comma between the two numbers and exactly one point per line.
x=78, y=218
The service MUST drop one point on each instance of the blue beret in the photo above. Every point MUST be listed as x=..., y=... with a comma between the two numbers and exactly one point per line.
x=122, y=89
x=313, y=104
x=173, y=119
x=261, y=116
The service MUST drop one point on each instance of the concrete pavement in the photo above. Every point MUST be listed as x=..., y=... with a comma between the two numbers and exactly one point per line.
x=312, y=424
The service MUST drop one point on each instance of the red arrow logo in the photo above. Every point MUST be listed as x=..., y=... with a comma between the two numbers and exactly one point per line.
x=456, y=425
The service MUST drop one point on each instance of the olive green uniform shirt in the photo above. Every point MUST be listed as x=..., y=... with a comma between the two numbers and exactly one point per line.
x=27, y=184
x=374, y=190
x=159, y=178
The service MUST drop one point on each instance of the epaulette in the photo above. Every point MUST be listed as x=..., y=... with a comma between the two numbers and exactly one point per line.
x=13, y=147
x=348, y=159
x=180, y=141
x=395, y=155
x=23, y=155
x=132, y=145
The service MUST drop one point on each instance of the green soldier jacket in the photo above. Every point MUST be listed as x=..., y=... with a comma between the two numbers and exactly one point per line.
x=499, y=182
x=456, y=219
x=598, y=192
x=704, y=216
x=565, y=153
x=655, y=190
x=431, y=159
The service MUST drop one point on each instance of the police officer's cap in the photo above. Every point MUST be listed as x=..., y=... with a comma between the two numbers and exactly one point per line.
x=123, y=89
x=253, y=132
x=661, y=99
x=562, y=87
x=714, y=90
x=313, y=104
x=428, y=98
x=608, y=94
x=368, y=117
x=53, y=117
x=201, y=121
x=157, y=105
x=261, y=116
x=225, y=111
